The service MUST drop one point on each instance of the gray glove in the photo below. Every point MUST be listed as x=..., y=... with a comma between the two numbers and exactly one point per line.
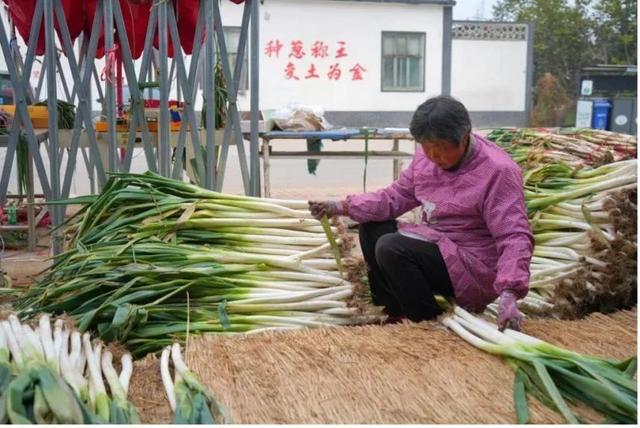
x=328, y=208
x=508, y=314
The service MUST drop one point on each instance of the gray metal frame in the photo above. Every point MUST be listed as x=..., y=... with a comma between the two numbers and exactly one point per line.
x=56, y=183
x=447, y=22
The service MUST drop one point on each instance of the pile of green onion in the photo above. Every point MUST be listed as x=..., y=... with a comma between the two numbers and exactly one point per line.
x=581, y=194
x=151, y=259
x=190, y=401
x=558, y=378
x=57, y=376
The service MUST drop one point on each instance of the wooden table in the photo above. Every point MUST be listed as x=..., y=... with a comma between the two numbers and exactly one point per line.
x=359, y=134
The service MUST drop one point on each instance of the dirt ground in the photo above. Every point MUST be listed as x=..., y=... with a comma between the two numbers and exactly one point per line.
x=396, y=374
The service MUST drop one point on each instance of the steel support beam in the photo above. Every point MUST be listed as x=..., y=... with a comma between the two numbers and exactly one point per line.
x=21, y=117
x=209, y=94
x=233, y=117
x=82, y=89
x=135, y=92
x=51, y=58
x=255, y=98
x=164, y=119
x=187, y=82
x=109, y=105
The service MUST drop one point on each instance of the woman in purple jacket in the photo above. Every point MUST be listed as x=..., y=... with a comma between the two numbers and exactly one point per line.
x=473, y=243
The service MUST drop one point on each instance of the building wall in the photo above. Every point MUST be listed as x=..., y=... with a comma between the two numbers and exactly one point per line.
x=491, y=71
x=489, y=75
x=357, y=24
x=491, y=63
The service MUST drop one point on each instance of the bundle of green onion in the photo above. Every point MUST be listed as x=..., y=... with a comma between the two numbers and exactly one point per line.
x=43, y=379
x=152, y=258
x=583, y=217
x=556, y=377
x=574, y=147
x=190, y=401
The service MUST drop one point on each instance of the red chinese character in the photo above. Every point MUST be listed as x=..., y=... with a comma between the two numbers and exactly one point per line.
x=319, y=50
x=296, y=49
x=356, y=72
x=311, y=73
x=273, y=47
x=342, y=50
x=289, y=72
x=334, y=72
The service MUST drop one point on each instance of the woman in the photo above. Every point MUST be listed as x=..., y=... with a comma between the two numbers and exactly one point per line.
x=473, y=243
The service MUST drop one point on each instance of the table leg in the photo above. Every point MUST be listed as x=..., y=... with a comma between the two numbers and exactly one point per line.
x=396, y=162
x=266, y=168
x=31, y=223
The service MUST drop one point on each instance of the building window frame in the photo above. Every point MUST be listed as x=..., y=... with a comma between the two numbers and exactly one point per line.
x=423, y=42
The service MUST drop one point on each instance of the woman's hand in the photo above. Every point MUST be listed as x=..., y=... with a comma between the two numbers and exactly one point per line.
x=508, y=313
x=328, y=208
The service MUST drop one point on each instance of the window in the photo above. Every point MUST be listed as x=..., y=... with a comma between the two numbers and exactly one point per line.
x=402, y=62
x=232, y=38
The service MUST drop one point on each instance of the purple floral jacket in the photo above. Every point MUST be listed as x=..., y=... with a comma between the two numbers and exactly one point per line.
x=475, y=214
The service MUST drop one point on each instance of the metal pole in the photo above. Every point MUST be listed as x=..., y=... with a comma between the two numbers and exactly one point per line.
x=255, y=100
x=189, y=119
x=209, y=91
x=82, y=87
x=21, y=80
x=137, y=106
x=163, y=125
x=233, y=118
x=110, y=99
x=54, y=168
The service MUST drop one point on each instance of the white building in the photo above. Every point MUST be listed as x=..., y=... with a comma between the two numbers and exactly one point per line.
x=372, y=62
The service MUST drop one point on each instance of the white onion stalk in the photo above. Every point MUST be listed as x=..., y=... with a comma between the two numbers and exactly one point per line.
x=14, y=347
x=598, y=380
x=77, y=358
x=47, y=342
x=5, y=353
x=100, y=400
x=60, y=341
x=75, y=379
x=123, y=412
x=110, y=374
x=166, y=378
x=126, y=361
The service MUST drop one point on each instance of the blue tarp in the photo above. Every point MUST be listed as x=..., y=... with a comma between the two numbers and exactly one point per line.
x=331, y=134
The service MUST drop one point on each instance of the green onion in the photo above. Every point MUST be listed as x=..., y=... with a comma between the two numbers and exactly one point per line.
x=150, y=253
x=190, y=401
x=559, y=378
x=580, y=189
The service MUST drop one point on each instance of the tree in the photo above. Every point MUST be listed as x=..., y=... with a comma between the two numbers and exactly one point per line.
x=563, y=39
x=552, y=102
x=616, y=25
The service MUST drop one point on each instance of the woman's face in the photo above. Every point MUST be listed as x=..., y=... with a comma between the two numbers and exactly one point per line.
x=443, y=152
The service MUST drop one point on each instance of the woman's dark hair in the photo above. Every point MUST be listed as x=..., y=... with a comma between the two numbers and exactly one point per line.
x=440, y=117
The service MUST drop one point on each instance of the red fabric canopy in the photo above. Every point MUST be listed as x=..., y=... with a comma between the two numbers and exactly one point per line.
x=22, y=11
x=80, y=13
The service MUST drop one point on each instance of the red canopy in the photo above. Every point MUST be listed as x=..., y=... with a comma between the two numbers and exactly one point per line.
x=22, y=11
x=80, y=14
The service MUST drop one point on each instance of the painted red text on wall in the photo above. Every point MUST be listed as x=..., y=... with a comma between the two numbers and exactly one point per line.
x=273, y=48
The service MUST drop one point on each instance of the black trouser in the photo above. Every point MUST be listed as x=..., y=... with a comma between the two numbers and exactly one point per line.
x=404, y=273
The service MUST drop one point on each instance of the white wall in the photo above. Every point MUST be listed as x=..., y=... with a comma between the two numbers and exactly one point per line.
x=489, y=75
x=357, y=23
